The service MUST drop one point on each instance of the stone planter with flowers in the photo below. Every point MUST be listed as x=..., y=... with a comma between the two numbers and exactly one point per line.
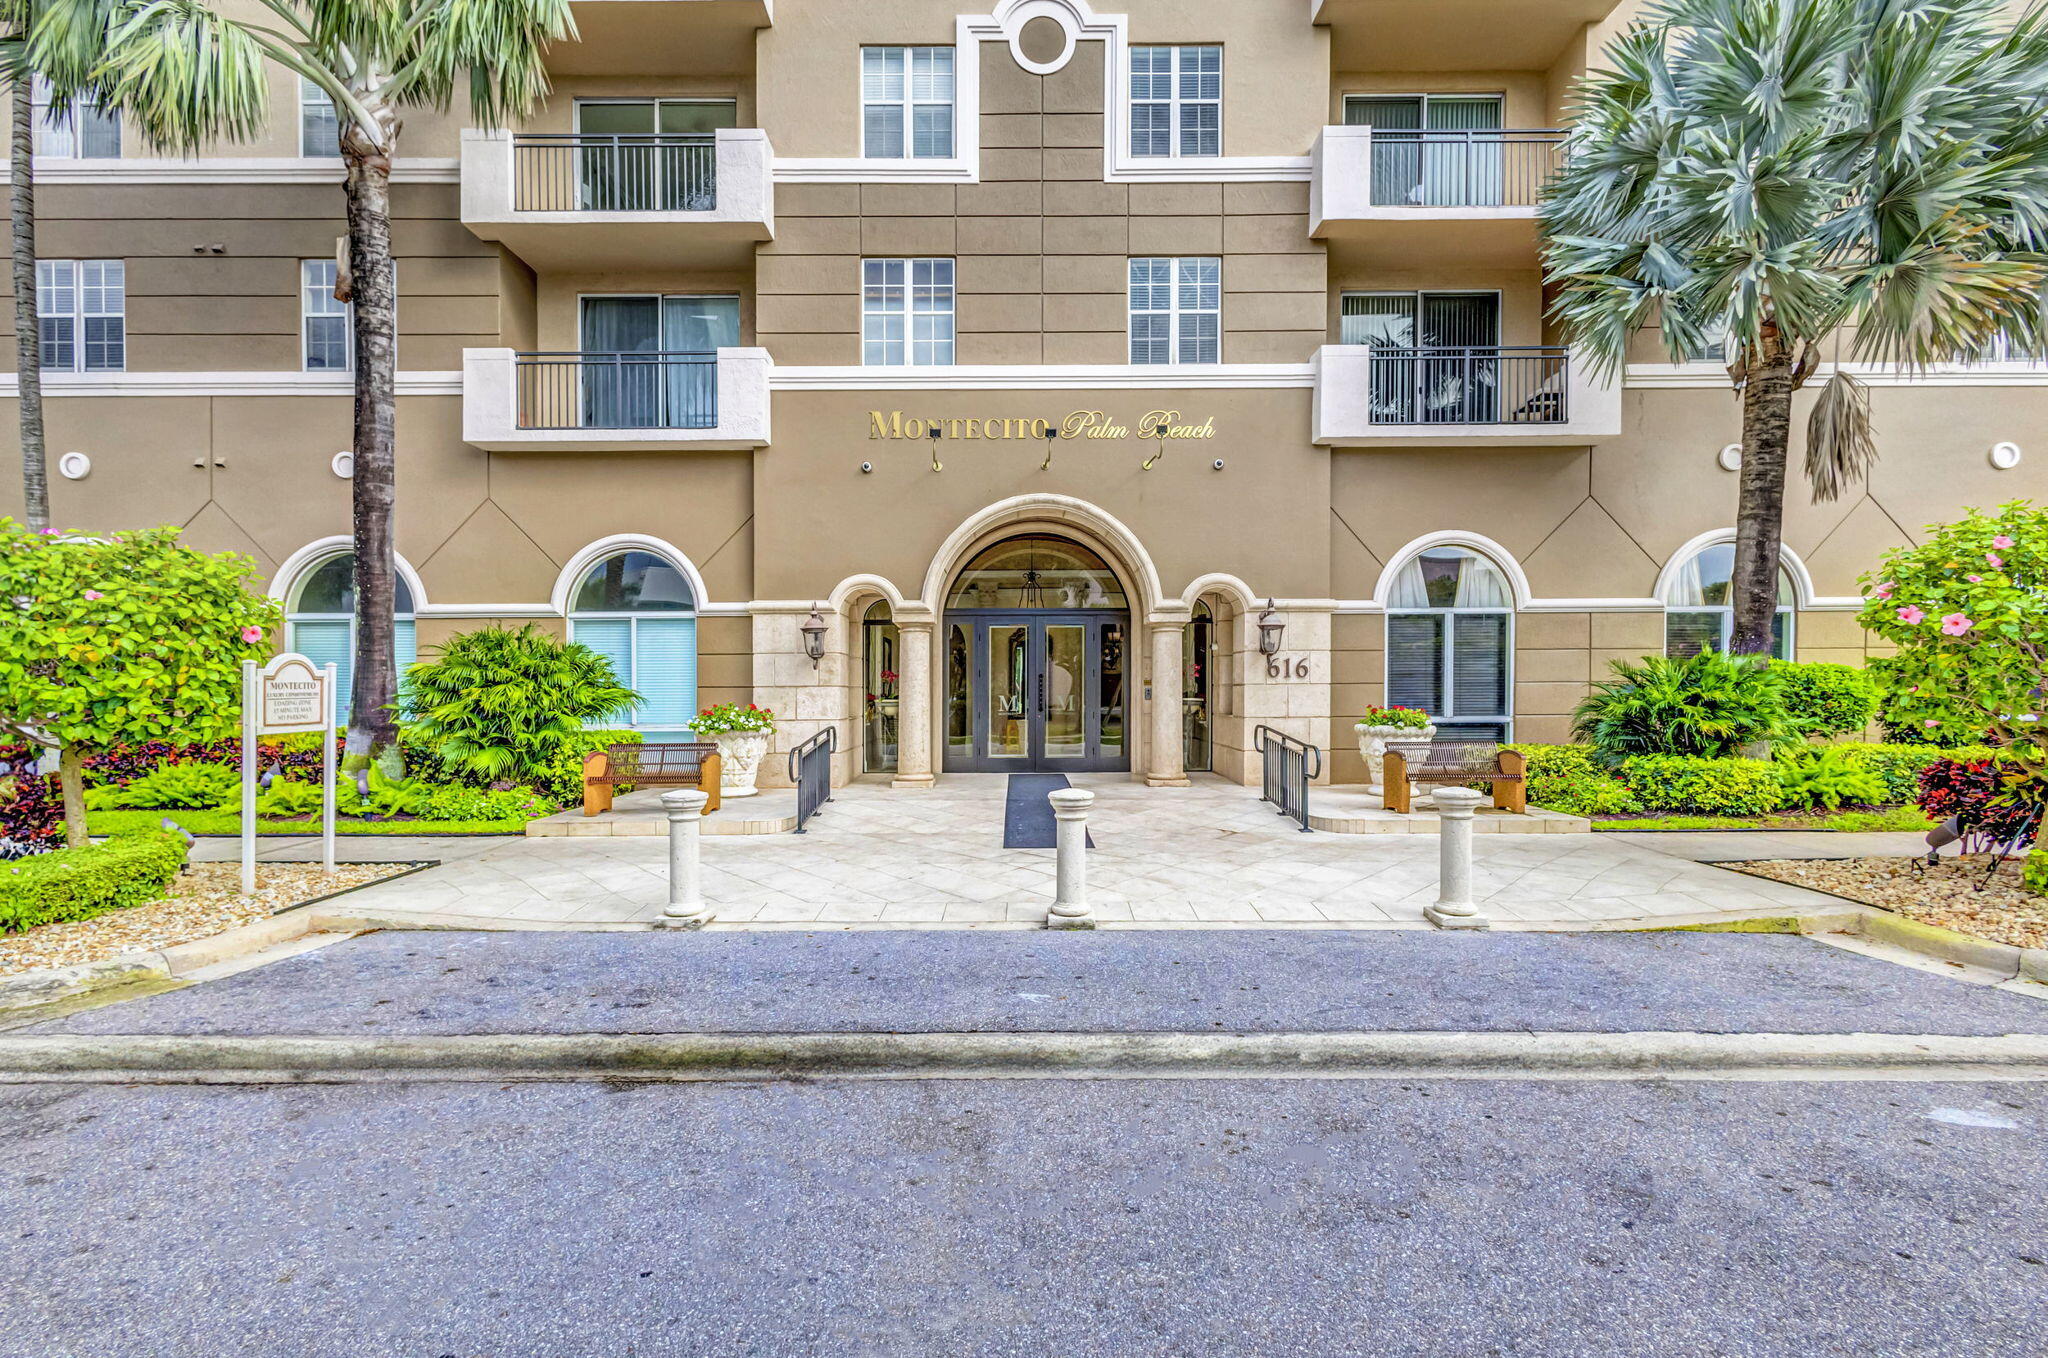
x=742, y=735
x=1383, y=724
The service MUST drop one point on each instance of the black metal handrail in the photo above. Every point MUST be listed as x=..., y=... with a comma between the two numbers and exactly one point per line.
x=614, y=172
x=588, y=389
x=1287, y=771
x=1471, y=384
x=1476, y=168
x=810, y=770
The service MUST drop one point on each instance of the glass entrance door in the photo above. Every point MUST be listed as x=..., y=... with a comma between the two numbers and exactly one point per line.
x=1046, y=693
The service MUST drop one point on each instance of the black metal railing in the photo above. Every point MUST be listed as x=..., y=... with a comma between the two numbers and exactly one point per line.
x=810, y=771
x=614, y=172
x=590, y=390
x=1470, y=385
x=1463, y=169
x=1289, y=765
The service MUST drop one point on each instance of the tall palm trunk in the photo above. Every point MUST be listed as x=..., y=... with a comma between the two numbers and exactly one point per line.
x=372, y=725
x=35, y=477
x=1760, y=510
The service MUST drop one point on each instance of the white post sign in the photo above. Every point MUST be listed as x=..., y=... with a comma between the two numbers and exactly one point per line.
x=288, y=696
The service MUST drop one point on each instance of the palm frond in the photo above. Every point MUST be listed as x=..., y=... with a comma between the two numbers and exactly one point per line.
x=1840, y=444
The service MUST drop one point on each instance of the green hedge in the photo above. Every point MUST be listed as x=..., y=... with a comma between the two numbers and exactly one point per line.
x=1565, y=778
x=1899, y=766
x=2035, y=874
x=1714, y=787
x=79, y=883
x=1823, y=699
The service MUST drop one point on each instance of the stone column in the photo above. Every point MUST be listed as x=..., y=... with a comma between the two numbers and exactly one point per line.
x=1454, y=908
x=1070, y=908
x=1165, y=764
x=914, y=705
x=686, y=908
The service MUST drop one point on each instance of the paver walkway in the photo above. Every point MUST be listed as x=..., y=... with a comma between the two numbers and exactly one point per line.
x=1209, y=854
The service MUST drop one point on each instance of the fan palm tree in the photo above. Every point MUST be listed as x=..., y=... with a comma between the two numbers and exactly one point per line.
x=186, y=74
x=1854, y=178
x=16, y=17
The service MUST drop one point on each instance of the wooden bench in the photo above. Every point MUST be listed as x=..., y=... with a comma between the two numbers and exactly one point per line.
x=694, y=765
x=1453, y=763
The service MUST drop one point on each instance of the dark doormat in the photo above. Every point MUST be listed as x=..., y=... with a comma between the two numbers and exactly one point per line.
x=1027, y=815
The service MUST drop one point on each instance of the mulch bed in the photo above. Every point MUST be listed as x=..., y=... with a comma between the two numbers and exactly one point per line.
x=1945, y=895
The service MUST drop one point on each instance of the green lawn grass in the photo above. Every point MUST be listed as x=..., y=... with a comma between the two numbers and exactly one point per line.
x=230, y=823
x=1901, y=818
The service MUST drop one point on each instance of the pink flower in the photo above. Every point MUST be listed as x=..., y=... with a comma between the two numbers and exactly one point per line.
x=1954, y=625
x=92, y=594
x=2001, y=542
x=1974, y=579
x=1930, y=725
x=1993, y=558
x=1910, y=615
x=52, y=533
x=252, y=633
x=1884, y=591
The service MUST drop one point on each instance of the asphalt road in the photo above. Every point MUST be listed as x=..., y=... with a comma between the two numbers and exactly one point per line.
x=1194, y=980
x=967, y=1220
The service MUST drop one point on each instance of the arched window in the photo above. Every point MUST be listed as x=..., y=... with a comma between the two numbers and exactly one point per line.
x=320, y=622
x=636, y=610
x=1699, y=613
x=1037, y=571
x=879, y=665
x=1450, y=633
x=1197, y=689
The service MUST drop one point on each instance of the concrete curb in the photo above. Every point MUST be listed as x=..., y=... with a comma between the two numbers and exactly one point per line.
x=783, y=1056
x=32, y=988
x=1930, y=940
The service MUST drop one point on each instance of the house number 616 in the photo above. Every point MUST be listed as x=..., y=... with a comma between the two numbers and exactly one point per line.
x=1286, y=667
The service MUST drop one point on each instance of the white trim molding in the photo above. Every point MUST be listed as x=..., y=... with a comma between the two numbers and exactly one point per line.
x=1080, y=23
x=1518, y=582
x=295, y=567
x=1063, y=513
x=232, y=170
x=572, y=574
x=1804, y=596
x=1046, y=376
x=1654, y=376
x=284, y=383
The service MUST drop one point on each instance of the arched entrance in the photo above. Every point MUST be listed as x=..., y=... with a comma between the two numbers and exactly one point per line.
x=1035, y=644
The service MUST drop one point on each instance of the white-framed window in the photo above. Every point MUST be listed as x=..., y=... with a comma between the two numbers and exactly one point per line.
x=1450, y=643
x=1177, y=310
x=1713, y=345
x=326, y=326
x=1176, y=101
x=906, y=103
x=320, y=623
x=1699, y=610
x=637, y=610
x=82, y=307
x=906, y=312
x=319, y=126
x=84, y=131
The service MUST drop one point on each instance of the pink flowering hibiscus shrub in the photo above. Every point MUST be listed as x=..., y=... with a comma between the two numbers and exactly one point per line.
x=1968, y=611
x=121, y=640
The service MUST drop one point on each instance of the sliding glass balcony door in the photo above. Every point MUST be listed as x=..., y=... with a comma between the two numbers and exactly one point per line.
x=652, y=362
x=1436, y=355
x=649, y=155
x=1433, y=150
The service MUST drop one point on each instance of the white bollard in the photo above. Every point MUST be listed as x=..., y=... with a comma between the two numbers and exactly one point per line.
x=1454, y=908
x=686, y=908
x=1070, y=908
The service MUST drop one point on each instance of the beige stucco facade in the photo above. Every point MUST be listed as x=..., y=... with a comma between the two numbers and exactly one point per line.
x=838, y=506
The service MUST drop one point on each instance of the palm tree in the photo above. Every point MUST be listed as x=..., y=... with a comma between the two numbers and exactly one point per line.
x=186, y=74
x=1868, y=172
x=17, y=16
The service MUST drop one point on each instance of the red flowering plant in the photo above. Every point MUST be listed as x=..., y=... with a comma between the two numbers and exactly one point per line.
x=1975, y=795
x=732, y=719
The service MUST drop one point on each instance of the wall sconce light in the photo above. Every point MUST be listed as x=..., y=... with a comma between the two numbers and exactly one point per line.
x=814, y=636
x=1270, y=628
x=1148, y=463
x=1052, y=436
x=935, y=435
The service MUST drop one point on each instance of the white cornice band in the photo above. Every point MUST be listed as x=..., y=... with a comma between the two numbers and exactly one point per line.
x=423, y=383
x=230, y=170
x=1042, y=377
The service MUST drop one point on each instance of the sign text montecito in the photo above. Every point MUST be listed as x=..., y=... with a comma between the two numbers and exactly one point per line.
x=1080, y=424
x=292, y=696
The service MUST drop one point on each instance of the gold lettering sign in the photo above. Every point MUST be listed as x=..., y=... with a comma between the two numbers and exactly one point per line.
x=1094, y=425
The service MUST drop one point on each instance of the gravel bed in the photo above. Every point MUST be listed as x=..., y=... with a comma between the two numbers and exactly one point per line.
x=205, y=900
x=2004, y=911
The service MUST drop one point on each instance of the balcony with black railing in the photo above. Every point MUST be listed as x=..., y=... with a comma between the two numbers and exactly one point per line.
x=1469, y=169
x=1478, y=395
x=594, y=201
x=1395, y=197
x=620, y=402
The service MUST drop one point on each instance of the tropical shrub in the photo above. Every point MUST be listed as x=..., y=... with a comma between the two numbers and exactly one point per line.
x=563, y=782
x=1898, y=766
x=1827, y=775
x=1826, y=700
x=387, y=796
x=1407, y=718
x=176, y=787
x=470, y=804
x=123, y=764
x=1712, y=787
x=78, y=883
x=1706, y=705
x=120, y=639
x=498, y=707
x=2035, y=875
x=726, y=719
x=1968, y=611
x=1566, y=778
x=289, y=799
x=1978, y=794
x=31, y=822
